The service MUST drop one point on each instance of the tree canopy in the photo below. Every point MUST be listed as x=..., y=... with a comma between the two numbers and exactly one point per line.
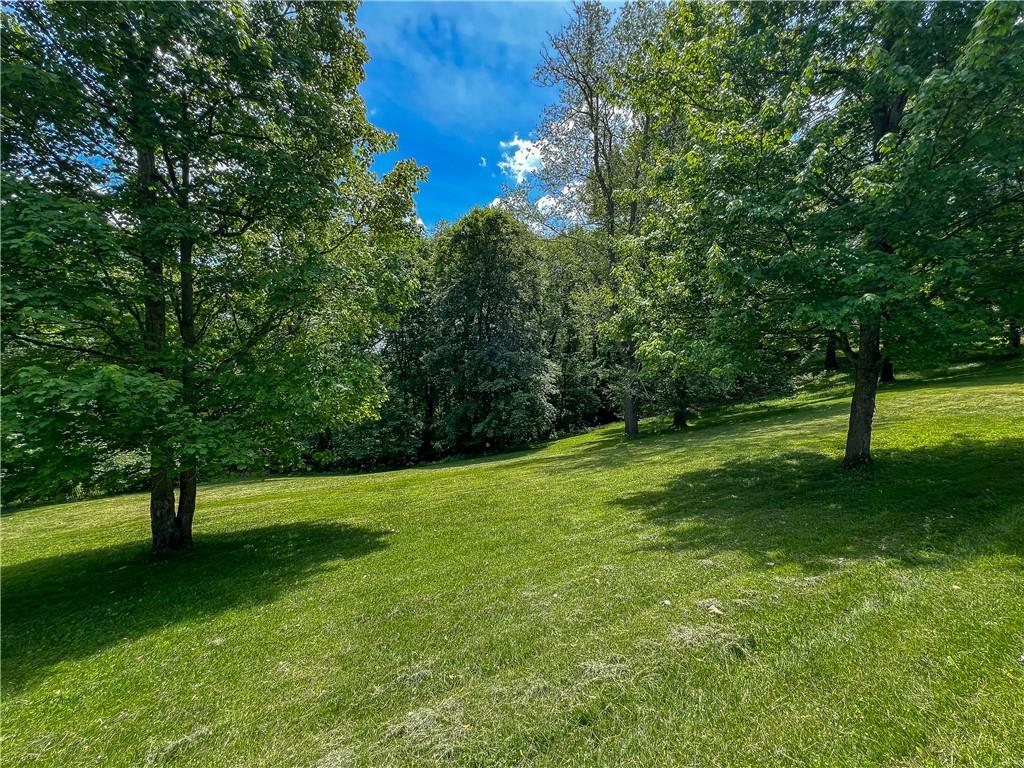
x=849, y=171
x=197, y=254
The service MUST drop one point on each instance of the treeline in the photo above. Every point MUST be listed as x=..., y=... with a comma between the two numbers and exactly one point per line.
x=732, y=196
x=487, y=357
x=202, y=274
x=504, y=343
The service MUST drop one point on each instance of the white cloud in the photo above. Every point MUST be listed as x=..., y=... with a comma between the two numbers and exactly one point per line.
x=525, y=160
x=548, y=204
x=483, y=161
x=564, y=206
x=419, y=221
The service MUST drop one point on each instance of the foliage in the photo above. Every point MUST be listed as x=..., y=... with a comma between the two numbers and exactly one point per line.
x=197, y=255
x=489, y=352
x=594, y=147
x=848, y=171
x=202, y=273
x=574, y=304
x=402, y=432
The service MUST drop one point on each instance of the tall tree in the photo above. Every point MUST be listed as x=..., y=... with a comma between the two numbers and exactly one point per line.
x=574, y=273
x=848, y=170
x=490, y=351
x=196, y=252
x=402, y=431
x=594, y=147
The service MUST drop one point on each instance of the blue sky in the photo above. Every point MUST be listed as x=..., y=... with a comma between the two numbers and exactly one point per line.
x=454, y=80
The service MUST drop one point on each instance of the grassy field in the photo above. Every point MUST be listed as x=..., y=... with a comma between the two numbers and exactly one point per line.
x=724, y=596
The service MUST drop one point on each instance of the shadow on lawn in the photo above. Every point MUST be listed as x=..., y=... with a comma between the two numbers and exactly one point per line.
x=761, y=425
x=929, y=507
x=72, y=606
x=613, y=450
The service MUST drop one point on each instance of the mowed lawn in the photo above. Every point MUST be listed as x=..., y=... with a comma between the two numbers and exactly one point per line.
x=725, y=596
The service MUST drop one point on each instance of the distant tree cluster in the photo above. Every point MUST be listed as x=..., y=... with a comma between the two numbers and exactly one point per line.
x=499, y=348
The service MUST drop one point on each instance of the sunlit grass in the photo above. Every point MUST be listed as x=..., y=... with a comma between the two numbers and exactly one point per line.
x=720, y=596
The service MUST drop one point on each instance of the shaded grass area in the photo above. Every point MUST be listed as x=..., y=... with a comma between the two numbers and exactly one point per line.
x=723, y=595
x=116, y=594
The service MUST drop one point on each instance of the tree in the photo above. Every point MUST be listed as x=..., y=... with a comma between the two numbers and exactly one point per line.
x=402, y=432
x=196, y=252
x=574, y=271
x=843, y=170
x=489, y=352
x=594, y=148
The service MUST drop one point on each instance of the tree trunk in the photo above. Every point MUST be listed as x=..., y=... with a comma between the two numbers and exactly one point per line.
x=868, y=364
x=680, y=416
x=1014, y=336
x=831, y=362
x=681, y=409
x=172, y=531
x=186, y=507
x=629, y=414
x=189, y=395
x=162, y=519
x=887, y=375
x=629, y=410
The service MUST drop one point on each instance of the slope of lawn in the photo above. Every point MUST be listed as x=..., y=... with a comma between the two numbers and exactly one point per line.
x=723, y=596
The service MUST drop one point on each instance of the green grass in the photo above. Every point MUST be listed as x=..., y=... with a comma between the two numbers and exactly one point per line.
x=720, y=597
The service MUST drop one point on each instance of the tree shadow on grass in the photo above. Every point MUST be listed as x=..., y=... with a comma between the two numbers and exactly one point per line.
x=761, y=424
x=615, y=451
x=71, y=606
x=926, y=507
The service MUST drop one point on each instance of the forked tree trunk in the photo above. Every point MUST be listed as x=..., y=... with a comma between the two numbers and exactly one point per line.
x=831, y=361
x=172, y=529
x=887, y=376
x=162, y=517
x=868, y=365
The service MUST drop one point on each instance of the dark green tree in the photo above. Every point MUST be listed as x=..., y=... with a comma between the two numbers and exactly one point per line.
x=489, y=347
x=402, y=432
x=196, y=254
x=583, y=362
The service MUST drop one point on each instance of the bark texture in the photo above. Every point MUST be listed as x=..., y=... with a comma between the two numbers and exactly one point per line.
x=186, y=507
x=171, y=529
x=162, y=517
x=867, y=366
x=681, y=406
x=629, y=412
